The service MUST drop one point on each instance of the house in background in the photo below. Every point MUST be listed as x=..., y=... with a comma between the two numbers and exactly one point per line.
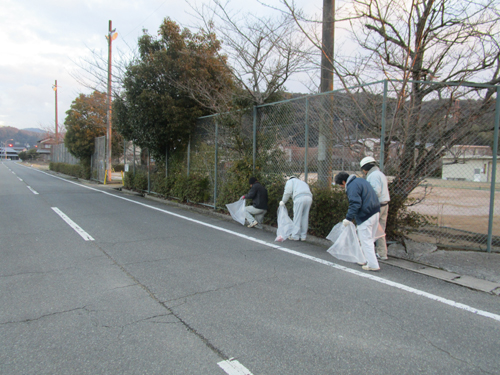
x=468, y=163
x=9, y=153
x=44, y=148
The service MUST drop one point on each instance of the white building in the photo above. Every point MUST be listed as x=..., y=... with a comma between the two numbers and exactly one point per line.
x=469, y=163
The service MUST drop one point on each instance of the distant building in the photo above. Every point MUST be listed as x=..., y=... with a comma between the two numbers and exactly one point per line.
x=9, y=153
x=44, y=148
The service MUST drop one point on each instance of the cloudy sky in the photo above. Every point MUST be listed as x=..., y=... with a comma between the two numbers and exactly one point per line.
x=43, y=41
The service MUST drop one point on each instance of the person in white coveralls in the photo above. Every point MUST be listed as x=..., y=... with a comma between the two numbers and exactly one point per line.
x=378, y=181
x=302, y=201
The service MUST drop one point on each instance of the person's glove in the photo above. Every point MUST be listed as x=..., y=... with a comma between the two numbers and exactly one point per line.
x=346, y=222
x=242, y=197
x=282, y=203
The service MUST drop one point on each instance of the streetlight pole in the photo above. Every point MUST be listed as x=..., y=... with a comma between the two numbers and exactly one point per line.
x=110, y=37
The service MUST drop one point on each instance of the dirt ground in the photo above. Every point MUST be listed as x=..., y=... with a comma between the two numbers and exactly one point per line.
x=458, y=207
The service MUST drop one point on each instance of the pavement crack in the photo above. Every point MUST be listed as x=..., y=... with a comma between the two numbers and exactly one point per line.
x=37, y=272
x=200, y=336
x=46, y=315
x=218, y=289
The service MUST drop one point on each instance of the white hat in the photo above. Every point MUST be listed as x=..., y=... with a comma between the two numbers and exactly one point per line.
x=366, y=160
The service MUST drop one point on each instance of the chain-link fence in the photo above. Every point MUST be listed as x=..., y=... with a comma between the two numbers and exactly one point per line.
x=436, y=143
x=98, y=160
x=60, y=154
x=438, y=150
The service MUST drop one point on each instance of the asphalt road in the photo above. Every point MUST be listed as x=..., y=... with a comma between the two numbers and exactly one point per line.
x=96, y=282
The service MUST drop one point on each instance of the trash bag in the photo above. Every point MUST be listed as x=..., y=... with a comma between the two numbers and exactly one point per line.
x=237, y=211
x=335, y=232
x=285, y=225
x=346, y=245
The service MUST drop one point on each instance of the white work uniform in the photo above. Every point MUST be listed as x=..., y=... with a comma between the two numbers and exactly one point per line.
x=302, y=201
x=378, y=181
x=367, y=231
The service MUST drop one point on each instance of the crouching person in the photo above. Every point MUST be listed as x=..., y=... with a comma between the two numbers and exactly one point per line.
x=258, y=194
x=364, y=206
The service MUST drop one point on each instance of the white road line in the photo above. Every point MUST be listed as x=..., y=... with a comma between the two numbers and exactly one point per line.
x=314, y=259
x=72, y=224
x=233, y=367
x=20, y=179
x=32, y=190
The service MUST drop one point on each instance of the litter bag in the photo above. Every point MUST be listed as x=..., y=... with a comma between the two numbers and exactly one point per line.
x=285, y=225
x=346, y=244
x=237, y=211
x=335, y=232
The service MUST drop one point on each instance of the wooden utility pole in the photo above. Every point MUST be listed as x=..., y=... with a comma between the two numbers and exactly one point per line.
x=325, y=140
x=110, y=37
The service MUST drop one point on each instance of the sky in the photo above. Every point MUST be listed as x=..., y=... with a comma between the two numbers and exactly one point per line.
x=45, y=41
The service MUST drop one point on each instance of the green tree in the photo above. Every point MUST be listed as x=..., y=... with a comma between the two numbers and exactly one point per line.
x=86, y=120
x=157, y=109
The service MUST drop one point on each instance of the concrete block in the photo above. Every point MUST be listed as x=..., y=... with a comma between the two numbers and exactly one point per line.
x=477, y=284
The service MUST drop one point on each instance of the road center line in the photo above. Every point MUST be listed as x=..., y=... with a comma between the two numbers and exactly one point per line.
x=32, y=190
x=314, y=259
x=72, y=224
x=233, y=367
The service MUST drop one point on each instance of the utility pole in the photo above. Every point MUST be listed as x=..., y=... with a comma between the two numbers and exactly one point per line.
x=55, y=90
x=325, y=140
x=110, y=37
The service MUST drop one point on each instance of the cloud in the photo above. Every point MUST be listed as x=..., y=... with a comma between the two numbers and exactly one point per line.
x=42, y=40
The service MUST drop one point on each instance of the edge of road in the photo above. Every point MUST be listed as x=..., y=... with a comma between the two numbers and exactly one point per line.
x=424, y=269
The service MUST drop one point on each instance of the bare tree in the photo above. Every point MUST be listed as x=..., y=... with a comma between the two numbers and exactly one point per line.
x=430, y=46
x=92, y=70
x=262, y=52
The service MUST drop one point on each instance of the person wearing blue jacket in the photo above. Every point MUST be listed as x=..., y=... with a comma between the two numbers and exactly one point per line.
x=364, y=206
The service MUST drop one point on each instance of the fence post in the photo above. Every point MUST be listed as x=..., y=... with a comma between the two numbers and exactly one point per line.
x=133, y=168
x=306, y=140
x=215, y=169
x=382, y=131
x=493, y=172
x=254, y=150
x=189, y=156
x=149, y=178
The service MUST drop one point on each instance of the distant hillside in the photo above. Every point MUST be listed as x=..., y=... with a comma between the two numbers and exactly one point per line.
x=20, y=136
x=34, y=130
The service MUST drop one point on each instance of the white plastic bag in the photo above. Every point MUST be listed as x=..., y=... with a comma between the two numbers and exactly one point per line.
x=285, y=225
x=345, y=244
x=237, y=211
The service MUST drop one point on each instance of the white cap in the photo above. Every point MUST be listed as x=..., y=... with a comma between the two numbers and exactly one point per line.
x=366, y=160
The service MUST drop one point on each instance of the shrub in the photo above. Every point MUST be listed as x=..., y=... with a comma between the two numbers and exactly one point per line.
x=401, y=221
x=141, y=181
x=329, y=207
x=128, y=180
x=75, y=170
